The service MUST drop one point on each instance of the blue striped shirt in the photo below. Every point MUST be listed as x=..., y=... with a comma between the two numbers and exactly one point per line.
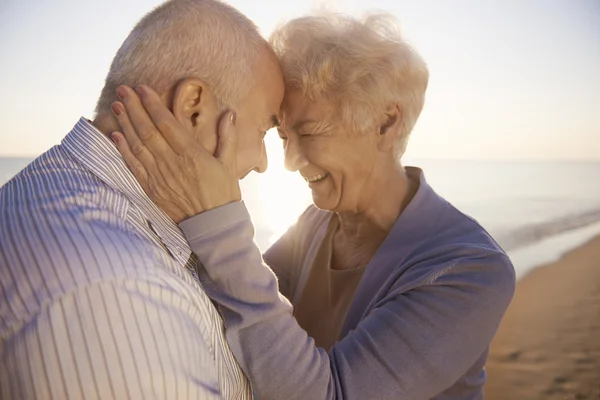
x=98, y=296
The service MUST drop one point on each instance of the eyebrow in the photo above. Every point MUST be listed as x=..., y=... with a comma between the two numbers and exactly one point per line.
x=301, y=123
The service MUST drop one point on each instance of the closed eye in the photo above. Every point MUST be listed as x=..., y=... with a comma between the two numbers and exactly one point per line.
x=313, y=129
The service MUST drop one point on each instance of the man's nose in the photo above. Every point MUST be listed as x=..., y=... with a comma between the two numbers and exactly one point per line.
x=264, y=161
x=294, y=158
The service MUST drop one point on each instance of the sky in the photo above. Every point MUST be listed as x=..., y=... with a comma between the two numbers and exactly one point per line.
x=508, y=79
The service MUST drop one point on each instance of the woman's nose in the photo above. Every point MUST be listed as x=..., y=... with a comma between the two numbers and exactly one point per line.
x=294, y=158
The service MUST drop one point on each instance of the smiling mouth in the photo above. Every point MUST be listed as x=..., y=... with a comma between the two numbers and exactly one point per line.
x=316, y=178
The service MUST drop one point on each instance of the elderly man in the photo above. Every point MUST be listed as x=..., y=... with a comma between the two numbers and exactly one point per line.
x=99, y=293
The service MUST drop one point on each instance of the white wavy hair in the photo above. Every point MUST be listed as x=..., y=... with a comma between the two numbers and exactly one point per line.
x=363, y=65
x=206, y=39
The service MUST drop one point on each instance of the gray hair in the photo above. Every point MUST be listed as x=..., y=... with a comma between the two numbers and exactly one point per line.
x=206, y=39
x=364, y=65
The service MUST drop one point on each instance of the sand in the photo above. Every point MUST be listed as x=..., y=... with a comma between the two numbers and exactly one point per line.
x=548, y=344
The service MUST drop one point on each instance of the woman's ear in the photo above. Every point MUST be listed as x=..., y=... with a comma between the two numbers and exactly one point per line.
x=389, y=128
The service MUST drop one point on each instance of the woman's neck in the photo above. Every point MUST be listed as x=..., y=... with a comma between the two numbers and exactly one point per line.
x=361, y=233
x=387, y=199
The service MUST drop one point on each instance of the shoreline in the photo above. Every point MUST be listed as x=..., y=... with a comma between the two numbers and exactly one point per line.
x=548, y=344
x=551, y=249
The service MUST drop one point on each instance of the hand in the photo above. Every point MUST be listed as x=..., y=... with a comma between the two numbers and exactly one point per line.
x=175, y=171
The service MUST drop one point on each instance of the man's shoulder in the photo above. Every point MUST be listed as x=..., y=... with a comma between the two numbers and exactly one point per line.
x=55, y=179
x=62, y=229
x=55, y=210
x=43, y=261
x=56, y=214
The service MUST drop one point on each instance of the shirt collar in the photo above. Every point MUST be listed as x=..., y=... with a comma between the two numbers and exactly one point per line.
x=98, y=154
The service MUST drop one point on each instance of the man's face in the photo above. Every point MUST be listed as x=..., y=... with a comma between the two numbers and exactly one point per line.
x=257, y=114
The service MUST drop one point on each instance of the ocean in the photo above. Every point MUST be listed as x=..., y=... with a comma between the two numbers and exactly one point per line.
x=537, y=211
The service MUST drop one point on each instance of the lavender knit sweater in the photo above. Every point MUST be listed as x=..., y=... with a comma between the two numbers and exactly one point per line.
x=419, y=326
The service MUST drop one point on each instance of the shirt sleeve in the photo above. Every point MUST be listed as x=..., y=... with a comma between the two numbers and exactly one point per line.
x=131, y=338
x=413, y=345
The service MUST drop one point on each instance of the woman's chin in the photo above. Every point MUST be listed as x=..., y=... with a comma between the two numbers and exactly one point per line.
x=323, y=201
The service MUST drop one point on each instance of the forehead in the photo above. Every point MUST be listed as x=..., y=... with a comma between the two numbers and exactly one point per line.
x=297, y=107
x=266, y=95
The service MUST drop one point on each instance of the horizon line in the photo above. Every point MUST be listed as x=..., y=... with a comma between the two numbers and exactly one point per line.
x=409, y=158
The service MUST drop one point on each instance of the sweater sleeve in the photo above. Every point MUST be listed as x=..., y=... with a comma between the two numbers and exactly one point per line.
x=280, y=257
x=412, y=345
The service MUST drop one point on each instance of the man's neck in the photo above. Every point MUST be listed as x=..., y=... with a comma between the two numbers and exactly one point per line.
x=106, y=123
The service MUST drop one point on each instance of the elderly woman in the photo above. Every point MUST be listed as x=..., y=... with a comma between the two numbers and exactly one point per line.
x=382, y=290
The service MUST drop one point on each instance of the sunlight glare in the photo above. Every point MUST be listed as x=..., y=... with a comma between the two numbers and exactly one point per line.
x=285, y=194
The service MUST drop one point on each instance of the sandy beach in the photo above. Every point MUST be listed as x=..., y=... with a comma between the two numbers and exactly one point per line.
x=548, y=345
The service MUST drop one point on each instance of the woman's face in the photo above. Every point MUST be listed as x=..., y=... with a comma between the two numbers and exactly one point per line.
x=339, y=165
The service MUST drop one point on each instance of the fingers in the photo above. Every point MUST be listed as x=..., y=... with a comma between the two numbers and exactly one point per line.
x=135, y=166
x=227, y=145
x=175, y=134
x=134, y=144
x=141, y=126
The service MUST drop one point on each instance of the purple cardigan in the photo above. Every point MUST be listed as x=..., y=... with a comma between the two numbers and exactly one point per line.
x=419, y=326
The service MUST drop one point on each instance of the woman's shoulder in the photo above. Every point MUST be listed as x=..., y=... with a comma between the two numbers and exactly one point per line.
x=466, y=257
x=440, y=240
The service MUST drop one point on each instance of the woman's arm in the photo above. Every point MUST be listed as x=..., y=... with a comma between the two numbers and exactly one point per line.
x=287, y=255
x=412, y=346
x=279, y=258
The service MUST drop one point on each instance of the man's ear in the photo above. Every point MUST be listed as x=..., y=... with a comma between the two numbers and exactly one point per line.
x=194, y=104
x=196, y=108
x=389, y=128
